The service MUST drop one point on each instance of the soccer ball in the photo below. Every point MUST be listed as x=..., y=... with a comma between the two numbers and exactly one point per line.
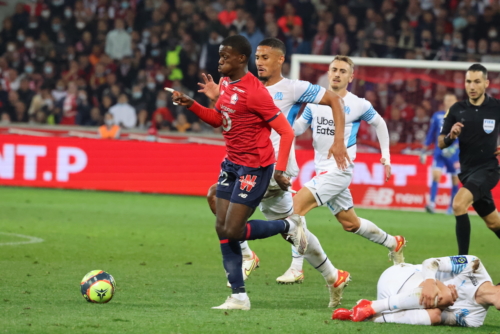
x=98, y=286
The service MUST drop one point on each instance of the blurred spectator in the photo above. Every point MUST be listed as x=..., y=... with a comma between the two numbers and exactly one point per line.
x=69, y=105
x=321, y=40
x=254, y=36
x=494, y=54
x=25, y=93
x=109, y=130
x=289, y=20
x=228, y=15
x=181, y=124
x=20, y=114
x=405, y=112
x=209, y=59
x=396, y=126
x=118, y=41
x=296, y=43
x=5, y=118
x=123, y=113
x=418, y=126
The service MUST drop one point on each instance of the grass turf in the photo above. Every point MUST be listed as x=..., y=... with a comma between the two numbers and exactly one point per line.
x=164, y=255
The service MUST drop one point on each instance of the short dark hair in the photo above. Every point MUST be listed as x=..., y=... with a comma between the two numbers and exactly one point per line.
x=274, y=43
x=478, y=68
x=238, y=43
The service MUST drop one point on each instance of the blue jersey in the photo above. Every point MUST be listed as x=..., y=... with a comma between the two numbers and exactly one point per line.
x=437, y=121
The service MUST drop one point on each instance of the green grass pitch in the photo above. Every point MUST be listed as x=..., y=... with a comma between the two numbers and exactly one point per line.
x=164, y=255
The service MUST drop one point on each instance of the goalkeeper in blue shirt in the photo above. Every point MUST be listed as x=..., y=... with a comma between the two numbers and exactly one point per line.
x=442, y=158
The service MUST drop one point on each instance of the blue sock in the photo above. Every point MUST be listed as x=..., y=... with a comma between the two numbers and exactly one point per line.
x=232, y=260
x=434, y=191
x=261, y=229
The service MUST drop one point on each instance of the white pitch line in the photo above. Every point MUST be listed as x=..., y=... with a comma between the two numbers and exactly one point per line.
x=31, y=240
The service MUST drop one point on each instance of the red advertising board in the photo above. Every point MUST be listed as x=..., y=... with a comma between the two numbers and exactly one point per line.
x=189, y=169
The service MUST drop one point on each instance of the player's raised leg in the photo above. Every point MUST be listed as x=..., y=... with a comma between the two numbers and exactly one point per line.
x=250, y=260
x=365, y=228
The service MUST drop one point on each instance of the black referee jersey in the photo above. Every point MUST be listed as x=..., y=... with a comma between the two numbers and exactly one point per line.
x=478, y=139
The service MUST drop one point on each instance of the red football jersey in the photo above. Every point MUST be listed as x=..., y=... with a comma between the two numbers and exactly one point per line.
x=247, y=108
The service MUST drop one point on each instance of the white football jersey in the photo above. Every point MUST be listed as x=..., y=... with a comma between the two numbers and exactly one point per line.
x=288, y=95
x=467, y=273
x=320, y=118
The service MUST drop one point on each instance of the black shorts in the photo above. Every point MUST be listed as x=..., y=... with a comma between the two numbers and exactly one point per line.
x=480, y=183
x=243, y=185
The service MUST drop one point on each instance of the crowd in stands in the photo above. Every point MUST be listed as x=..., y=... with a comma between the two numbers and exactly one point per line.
x=72, y=62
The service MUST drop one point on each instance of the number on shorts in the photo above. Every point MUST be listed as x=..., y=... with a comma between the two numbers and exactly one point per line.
x=226, y=121
x=223, y=182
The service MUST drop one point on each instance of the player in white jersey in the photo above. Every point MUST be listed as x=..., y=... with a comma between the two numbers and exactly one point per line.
x=290, y=96
x=330, y=185
x=453, y=291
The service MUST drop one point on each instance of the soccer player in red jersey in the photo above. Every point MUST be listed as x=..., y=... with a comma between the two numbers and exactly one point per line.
x=246, y=112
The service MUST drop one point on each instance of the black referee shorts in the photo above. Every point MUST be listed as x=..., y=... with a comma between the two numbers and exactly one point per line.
x=480, y=183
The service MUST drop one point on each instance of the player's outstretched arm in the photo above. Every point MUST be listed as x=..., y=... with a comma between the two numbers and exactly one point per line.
x=207, y=115
x=338, y=149
x=383, y=139
x=283, y=128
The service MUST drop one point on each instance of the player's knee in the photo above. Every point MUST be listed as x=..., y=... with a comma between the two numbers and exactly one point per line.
x=459, y=207
x=435, y=316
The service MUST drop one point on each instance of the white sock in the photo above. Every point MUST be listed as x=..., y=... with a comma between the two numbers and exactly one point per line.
x=372, y=232
x=240, y=296
x=245, y=250
x=409, y=317
x=297, y=259
x=318, y=259
x=404, y=301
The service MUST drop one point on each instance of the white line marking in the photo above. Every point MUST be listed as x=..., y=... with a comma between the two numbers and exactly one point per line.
x=31, y=240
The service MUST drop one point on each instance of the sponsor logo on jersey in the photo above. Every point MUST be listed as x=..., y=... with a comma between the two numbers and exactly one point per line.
x=236, y=89
x=222, y=93
x=347, y=110
x=224, y=83
x=248, y=182
x=223, y=107
x=278, y=96
x=325, y=126
x=488, y=125
x=234, y=98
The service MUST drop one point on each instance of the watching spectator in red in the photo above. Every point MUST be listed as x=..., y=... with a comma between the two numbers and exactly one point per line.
x=321, y=40
x=289, y=20
x=405, y=111
x=69, y=105
x=419, y=125
x=339, y=37
x=228, y=15
x=73, y=73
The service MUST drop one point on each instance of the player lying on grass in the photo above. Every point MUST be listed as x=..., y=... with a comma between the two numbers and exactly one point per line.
x=330, y=185
x=453, y=291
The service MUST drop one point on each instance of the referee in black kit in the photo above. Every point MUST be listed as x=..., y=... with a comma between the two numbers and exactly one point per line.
x=475, y=122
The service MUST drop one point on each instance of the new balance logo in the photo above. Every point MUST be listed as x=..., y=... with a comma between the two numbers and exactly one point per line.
x=247, y=182
x=243, y=195
x=278, y=96
x=347, y=110
x=381, y=196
